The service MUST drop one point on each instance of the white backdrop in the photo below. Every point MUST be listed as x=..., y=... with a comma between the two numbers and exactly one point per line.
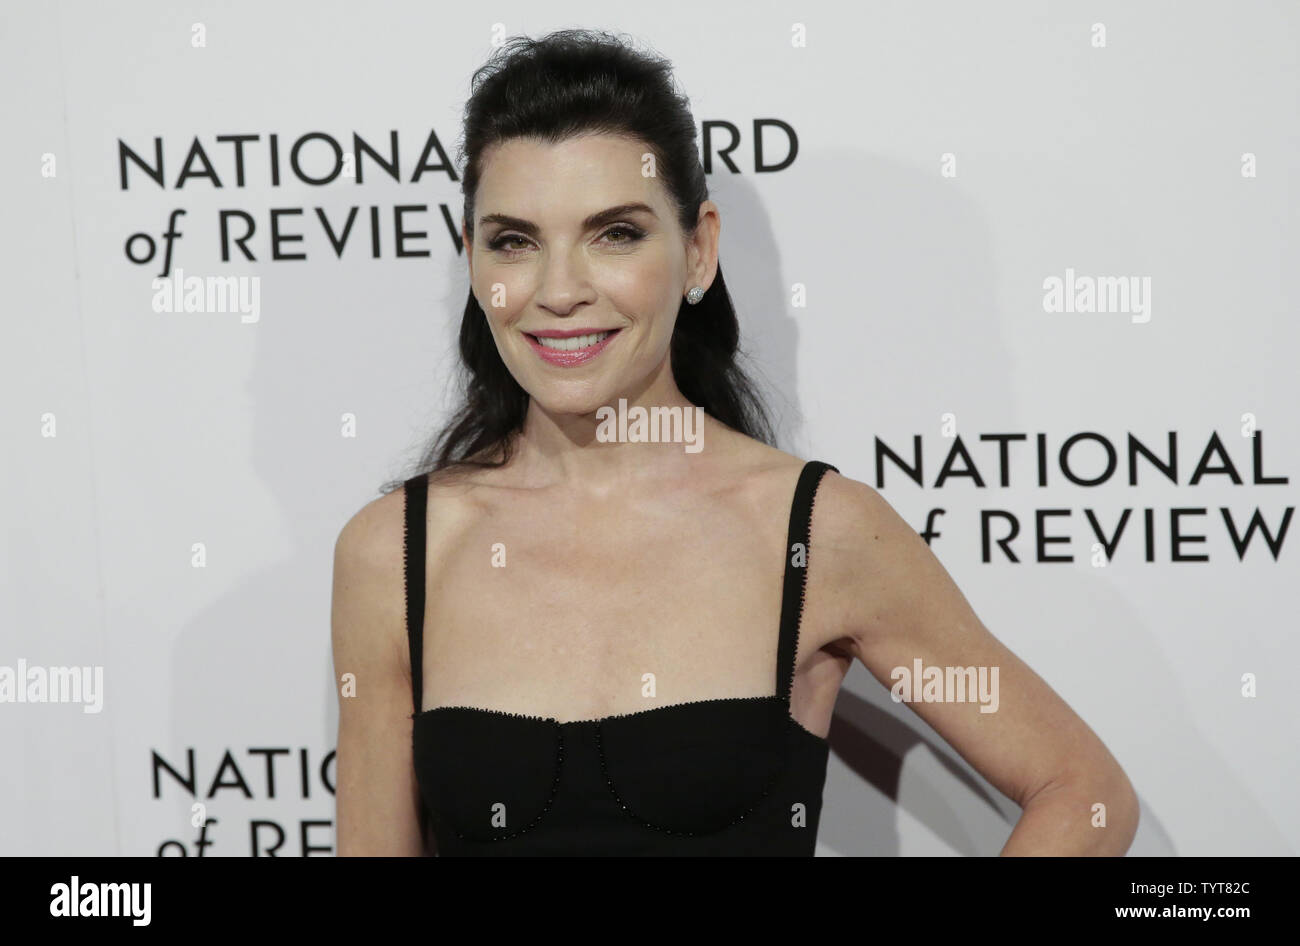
x=952, y=159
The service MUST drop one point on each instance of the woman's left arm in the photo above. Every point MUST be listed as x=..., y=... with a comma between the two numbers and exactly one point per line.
x=896, y=604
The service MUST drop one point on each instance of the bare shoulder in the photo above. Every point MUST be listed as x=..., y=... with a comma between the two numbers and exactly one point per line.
x=868, y=560
x=370, y=542
x=369, y=593
x=851, y=514
x=852, y=518
x=369, y=596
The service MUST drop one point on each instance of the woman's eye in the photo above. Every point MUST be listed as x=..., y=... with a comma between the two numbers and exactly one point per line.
x=629, y=234
x=618, y=235
x=500, y=242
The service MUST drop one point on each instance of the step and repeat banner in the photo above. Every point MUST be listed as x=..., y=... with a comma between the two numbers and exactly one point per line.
x=1027, y=270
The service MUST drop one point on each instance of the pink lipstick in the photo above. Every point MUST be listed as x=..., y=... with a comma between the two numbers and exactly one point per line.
x=569, y=347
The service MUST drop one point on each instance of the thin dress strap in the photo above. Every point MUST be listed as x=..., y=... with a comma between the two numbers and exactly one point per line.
x=796, y=574
x=415, y=500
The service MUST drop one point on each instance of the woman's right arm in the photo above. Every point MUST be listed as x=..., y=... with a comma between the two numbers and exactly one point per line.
x=376, y=795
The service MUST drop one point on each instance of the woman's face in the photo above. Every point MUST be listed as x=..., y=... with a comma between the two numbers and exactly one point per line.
x=580, y=265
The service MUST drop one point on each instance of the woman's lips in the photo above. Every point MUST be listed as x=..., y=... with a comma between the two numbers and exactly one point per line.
x=577, y=350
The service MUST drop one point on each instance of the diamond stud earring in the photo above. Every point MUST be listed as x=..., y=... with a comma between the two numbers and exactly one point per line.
x=695, y=295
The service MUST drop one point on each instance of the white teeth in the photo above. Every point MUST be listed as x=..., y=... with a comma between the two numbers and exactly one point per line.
x=572, y=344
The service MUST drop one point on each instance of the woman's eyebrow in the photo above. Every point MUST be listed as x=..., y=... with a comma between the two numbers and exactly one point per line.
x=595, y=220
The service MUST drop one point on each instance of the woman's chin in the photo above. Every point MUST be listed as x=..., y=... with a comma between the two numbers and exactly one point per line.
x=572, y=405
x=575, y=407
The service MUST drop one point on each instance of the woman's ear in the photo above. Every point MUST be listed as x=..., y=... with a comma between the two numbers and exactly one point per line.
x=702, y=262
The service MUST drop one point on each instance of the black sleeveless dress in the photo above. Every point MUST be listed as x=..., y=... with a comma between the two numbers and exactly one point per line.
x=727, y=776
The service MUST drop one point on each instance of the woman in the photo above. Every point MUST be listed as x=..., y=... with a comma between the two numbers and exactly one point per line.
x=565, y=639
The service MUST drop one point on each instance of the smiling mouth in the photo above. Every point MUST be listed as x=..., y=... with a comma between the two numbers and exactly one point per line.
x=574, y=342
x=571, y=350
